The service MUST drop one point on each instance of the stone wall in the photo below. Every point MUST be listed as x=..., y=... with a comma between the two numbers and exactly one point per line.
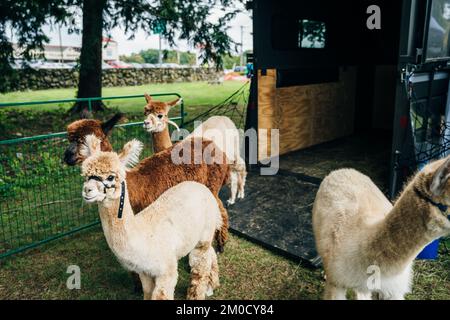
x=67, y=78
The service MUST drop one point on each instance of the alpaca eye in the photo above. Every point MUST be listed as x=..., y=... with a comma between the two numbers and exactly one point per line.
x=110, y=178
x=160, y=116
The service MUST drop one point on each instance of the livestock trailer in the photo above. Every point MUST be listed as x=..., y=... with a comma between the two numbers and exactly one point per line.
x=351, y=83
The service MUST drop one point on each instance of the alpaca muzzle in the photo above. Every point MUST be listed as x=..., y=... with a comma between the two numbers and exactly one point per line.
x=71, y=154
x=91, y=192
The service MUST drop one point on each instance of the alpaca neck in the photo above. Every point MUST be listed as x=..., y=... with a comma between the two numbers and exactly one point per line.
x=113, y=226
x=161, y=140
x=404, y=232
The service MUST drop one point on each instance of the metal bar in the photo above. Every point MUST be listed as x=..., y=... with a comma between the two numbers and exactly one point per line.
x=36, y=244
x=33, y=138
x=31, y=103
x=63, y=134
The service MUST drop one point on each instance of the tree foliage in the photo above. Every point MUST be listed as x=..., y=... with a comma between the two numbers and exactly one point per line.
x=25, y=19
x=181, y=19
x=169, y=56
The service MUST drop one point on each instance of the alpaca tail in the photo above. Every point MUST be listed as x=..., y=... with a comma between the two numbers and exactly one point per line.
x=221, y=234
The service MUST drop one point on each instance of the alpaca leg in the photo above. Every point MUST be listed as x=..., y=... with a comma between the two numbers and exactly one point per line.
x=148, y=284
x=214, y=274
x=397, y=295
x=333, y=292
x=363, y=295
x=241, y=184
x=200, y=261
x=221, y=235
x=233, y=187
x=165, y=284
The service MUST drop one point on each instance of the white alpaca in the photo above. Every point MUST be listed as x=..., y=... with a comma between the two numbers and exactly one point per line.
x=367, y=244
x=225, y=135
x=181, y=221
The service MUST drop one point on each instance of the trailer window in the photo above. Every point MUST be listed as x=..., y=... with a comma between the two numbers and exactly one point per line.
x=311, y=34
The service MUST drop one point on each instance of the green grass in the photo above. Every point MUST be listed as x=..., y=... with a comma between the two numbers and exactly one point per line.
x=195, y=94
x=27, y=120
x=246, y=272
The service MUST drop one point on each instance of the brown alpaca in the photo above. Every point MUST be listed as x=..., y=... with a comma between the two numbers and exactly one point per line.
x=219, y=129
x=155, y=175
x=157, y=113
x=369, y=245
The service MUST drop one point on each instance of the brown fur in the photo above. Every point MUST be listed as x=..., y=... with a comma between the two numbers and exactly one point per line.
x=79, y=129
x=161, y=140
x=154, y=175
x=398, y=241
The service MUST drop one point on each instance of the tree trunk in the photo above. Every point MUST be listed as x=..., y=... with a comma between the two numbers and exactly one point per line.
x=90, y=79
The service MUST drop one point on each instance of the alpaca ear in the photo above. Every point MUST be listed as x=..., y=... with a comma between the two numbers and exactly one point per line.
x=130, y=153
x=440, y=178
x=175, y=102
x=108, y=125
x=171, y=104
x=91, y=146
x=148, y=98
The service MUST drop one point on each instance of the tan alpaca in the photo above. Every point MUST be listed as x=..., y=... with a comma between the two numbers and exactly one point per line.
x=219, y=129
x=181, y=221
x=366, y=243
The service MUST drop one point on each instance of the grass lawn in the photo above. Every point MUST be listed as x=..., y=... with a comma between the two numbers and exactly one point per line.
x=198, y=94
x=26, y=120
x=247, y=271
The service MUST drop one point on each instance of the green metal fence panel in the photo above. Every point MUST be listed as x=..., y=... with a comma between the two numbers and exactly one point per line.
x=40, y=197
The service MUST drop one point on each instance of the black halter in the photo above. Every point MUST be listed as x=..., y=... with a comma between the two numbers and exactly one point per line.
x=122, y=198
x=442, y=207
x=122, y=193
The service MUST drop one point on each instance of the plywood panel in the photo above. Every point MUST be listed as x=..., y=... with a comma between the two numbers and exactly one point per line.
x=305, y=115
x=267, y=111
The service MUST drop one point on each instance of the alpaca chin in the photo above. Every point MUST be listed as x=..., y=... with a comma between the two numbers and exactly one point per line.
x=99, y=197
x=151, y=129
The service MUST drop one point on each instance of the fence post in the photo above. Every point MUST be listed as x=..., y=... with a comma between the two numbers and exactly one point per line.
x=182, y=114
x=89, y=105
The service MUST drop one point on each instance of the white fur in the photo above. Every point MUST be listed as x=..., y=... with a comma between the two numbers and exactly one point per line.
x=151, y=242
x=347, y=212
x=132, y=151
x=225, y=135
x=90, y=146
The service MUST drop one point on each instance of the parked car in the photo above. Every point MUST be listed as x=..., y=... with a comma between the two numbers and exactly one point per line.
x=170, y=65
x=117, y=64
x=240, y=69
x=149, y=65
x=71, y=64
x=41, y=64
x=17, y=64
x=106, y=66
x=136, y=65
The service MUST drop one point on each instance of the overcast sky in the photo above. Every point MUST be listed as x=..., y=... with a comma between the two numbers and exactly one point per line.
x=144, y=41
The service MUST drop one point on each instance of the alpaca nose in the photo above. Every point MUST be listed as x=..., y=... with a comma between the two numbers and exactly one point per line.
x=88, y=189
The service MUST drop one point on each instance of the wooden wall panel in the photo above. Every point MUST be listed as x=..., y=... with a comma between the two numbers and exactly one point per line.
x=305, y=115
x=267, y=112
